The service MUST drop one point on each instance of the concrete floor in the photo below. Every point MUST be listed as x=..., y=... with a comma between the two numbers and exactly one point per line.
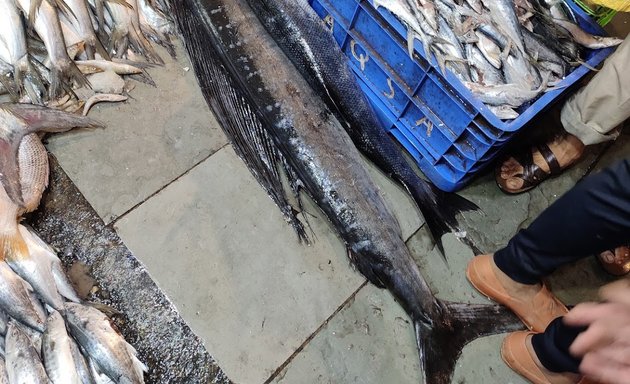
x=268, y=308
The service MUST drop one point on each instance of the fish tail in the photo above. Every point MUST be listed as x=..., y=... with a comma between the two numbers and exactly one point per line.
x=29, y=81
x=441, y=344
x=144, y=46
x=440, y=209
x=159, y=38
x=13, y=246
x=94, y=46
x=67, y=70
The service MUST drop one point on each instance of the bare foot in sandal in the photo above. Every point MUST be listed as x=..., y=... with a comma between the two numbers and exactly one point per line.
x=520, y=173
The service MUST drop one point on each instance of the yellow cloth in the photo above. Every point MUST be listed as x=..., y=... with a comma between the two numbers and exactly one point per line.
x=617, y=5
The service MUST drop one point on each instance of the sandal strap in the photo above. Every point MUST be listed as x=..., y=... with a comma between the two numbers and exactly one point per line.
x=550, y=158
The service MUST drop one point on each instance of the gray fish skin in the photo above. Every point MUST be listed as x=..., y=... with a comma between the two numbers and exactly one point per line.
x=538, y=50
x=47, y=257
x=57, y=352
x=488, y=74
x=114, y=356
x=16, y=301
x=4, y=376
x=37, y=271
x=4, y=321
x=518, y=70
x=81, y=364
x=22, y=361
x=502, y=11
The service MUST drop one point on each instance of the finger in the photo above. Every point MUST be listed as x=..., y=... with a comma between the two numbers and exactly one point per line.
x=617, y=291
x=616, y=353
x=583, y=314
x=603, y=370
x=597, y=336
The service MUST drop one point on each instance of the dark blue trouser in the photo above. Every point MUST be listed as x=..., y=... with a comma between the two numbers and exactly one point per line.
x=592, y=217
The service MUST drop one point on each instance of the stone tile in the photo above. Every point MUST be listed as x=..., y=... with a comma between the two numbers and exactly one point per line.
x=481, y=362
x=222, y=252
x=369, y=341
x=150, y=140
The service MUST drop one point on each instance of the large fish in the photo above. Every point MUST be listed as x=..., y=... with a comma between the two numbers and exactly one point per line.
x=24, y=166
x=255, y=90
x=304, y=39
x=109, y=350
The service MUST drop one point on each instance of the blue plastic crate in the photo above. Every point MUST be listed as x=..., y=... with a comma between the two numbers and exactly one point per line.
x=449, y=133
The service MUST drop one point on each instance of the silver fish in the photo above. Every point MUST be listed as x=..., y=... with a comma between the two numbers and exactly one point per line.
x=504, y=112
x=487, y=74
x=502, y=11
x=22, y=361
x=113, y=355
x=518, y=70
x=14, y=51
x=505, y=94
x=126, y=32
x=47, y=258
x=490, y=50
x=46, y=24
x=36, y=269
x=585, y=39
x=57, y=352
x=15, y=299
x=81, y=18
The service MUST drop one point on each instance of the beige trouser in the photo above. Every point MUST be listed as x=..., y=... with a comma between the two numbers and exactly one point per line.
x=593, y=112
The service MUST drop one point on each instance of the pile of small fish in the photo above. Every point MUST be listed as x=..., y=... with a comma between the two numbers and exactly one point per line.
x=507, y=52
x=38, y=305
x=70, y=54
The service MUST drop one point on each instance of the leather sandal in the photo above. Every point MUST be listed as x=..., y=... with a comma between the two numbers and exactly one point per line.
x=616, y=261
x=536, y=314
x=532, y=174
x=515, y=354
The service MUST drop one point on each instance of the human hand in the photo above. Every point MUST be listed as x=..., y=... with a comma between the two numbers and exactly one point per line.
x=605, y=346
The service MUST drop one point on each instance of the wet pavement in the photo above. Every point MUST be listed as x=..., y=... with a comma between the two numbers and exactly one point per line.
x=268, y=308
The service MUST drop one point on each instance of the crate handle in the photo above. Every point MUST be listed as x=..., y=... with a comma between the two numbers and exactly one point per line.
x=362, y=58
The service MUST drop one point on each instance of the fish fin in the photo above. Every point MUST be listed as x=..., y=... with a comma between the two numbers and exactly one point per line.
x=440, y=210
x=441, y=344
x=366, y=268
x=239, y=120
x=159, y=38
x=64, y=286
x=138, y=366
x=13, y=247
x=38, y=118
